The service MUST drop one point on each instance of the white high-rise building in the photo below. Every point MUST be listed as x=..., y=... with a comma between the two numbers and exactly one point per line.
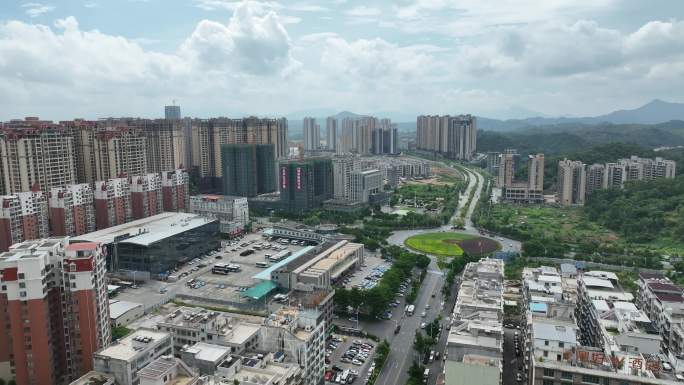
x=311, y=132
x=331, y=133
x=572, y=182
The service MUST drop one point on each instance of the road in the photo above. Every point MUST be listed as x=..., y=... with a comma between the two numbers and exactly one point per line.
x=402, y=354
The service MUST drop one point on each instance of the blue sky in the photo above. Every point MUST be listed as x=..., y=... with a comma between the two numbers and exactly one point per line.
x=498, y=58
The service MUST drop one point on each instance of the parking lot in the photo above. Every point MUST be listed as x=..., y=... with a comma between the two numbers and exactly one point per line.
x=350, y=354
x=204, y=283
x=366, y=275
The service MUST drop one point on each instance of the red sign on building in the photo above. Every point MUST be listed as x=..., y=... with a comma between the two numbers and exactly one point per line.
x=283, y=177
x=299, y=178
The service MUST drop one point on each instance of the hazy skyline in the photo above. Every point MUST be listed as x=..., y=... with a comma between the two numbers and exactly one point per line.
x=497, y=58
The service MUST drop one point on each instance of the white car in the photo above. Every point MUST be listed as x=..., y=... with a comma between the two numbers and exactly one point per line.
x=423, y=314
x=357, y=362
x=423, y=325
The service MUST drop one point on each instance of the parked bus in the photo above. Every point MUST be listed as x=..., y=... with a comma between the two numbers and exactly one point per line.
x=220, y=268
x=410, y=309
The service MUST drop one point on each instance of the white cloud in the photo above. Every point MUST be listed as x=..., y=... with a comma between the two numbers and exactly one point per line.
x=364, y=11
x=91, y=5
x=250, y=43
x=37, y=9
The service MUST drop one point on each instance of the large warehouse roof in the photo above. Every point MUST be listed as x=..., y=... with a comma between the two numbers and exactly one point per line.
x=147, y=230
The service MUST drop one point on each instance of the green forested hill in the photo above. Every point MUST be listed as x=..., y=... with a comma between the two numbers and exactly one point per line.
x=643, y=211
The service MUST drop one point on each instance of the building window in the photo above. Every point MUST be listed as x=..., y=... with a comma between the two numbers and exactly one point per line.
x=566, y=376
x=22, y=285
x=22, y=294
x=548, y=382
x=589, y=379
x=546, y=353
x=21, y=275
x=546, y=343
x=561, y=344
x=548, y=372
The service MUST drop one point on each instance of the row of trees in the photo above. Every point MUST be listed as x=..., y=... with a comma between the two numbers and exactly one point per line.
x=374, y=302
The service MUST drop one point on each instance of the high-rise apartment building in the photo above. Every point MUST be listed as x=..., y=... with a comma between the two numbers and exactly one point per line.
x=615, y=175
x=305, y=184
x=23, y=216
x=453, y=136
x=55, y=309
x=248, y=169
x=311, y=132
x=83, y=135
x=146, y=195
x=535, y=172
x=506, y=173
x=572, y=182
x=120, y=150
x=596, y=177
x=175, y=187
x=72, y=210
x=112, y=202
x=342, y=168
x=331, y=133
x=172, y=112
x=366, y=185
x=165, y=141
x=35, y=152
x=643, y=168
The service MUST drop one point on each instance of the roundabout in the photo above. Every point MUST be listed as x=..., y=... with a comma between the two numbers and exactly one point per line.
x=451, y=244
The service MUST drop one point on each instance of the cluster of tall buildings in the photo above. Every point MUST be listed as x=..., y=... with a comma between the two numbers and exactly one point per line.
x=576, y=181
x=78, y=209
x=452, y=136
x=583, y=327
x=505, y=165
x=365, y=135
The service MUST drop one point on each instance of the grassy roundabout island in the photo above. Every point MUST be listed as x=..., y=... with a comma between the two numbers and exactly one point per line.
x=451, y=244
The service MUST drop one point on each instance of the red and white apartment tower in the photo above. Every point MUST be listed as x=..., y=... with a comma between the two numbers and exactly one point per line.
x=112, y=202
x=146, y=195
x=175, y=190
x=23, y=216
x=54, y=309
x=71, y=210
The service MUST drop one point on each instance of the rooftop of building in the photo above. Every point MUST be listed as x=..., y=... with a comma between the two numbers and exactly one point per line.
x=477, y=371
x=331, y=256
x=554, y=332
x=129, y=347
x=147, y=230
x=35, y=248
x=178, y=373
x=234, y=330
x=265, y=274
x=256, y=369
x=208, y=352
x=95, y=378
x=118, y=308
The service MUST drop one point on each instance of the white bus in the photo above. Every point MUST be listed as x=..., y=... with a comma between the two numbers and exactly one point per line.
x=220, y=268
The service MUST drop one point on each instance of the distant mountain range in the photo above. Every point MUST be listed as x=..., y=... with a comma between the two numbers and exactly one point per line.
x=654, y=112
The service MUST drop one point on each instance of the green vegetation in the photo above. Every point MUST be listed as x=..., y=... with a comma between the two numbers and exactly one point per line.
x=415, y=374
x=381, y=354
x=567, y=138
x=375, y=301
x=444, y=243
x=120, y=332
x=423, y=343
x=548, y=231
x=646, y=211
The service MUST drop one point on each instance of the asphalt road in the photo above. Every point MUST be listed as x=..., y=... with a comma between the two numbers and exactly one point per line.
x=402, y=354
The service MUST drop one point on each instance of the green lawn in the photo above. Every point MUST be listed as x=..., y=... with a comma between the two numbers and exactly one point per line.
x=438, y=243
